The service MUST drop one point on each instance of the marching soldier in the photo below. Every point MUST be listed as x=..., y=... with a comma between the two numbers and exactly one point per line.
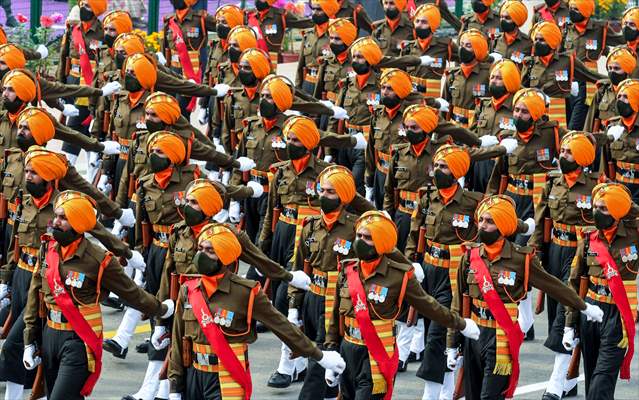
x=556, y=11
x=40, y=53
x=630, y=29
x=482, y=18
x=395, y=29
x=512, y=43
x=354, y=11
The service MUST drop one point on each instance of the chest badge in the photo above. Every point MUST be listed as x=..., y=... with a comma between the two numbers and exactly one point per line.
x=223, y=317
x=342, y=246
x=506, y=278
x=372, y=99
x=628, y=254
x=377, y=293
x=310, y=188
x=277, y=142
x=517, y=56
x=205, y=319
x=74, y=279
x=584, y=202
x=507, y=123
x=562, y=75
x=543, y=154
x=461, y=221
x=270, y=29
x=479, y=90
x=591, y=44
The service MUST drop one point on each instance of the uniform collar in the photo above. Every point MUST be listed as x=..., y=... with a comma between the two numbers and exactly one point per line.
x=187, y=17
x=79, y=252
x=506, y=251
x=310, y=164
x=223, y=284
x=381, y=269
x=581, y=178
x=95, y=26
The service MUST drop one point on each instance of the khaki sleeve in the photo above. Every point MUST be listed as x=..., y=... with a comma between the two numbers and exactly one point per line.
x=416, y=222
x=486, y=153
x=336, y=141
x=31, y=308
x=577, y=270
x=495, y=176
x=69, y=135
x=333, y=336
x=430, y=308
x=399, y=62
x=61, y=73
x=389, y=188
x=203, y=152
x=541, y=212
x=30, y=54
x=293, y=21
x=165, y=279
x=458, y=133
x=73, y=180
x=112, y=243
x=452, y=336
x=239, y=192
x=266, y=234
x=251, y=254
x=585, y=74
x=553, y=287
x=175, y=371
x=54, y=90
x=295, y=295
x=172, y=84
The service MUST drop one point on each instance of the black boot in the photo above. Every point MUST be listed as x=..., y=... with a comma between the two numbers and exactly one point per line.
x=113, y=302
x=279, y=381
x=550, y=396
x=571, y=393
x=143, y=347
x=114, y=348
x=530, y=335
x=412, y=357
x=402, y=366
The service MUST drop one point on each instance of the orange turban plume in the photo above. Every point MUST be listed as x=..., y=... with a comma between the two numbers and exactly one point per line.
x=624, y=57
x=21, y=83
x=478, y=41
x=281, y=91
x=369, y=49
x=630, y=87
x=431, y=13
x=40, y=124
x=79, y=210
x=13, y=56
x=165, y=106
x=585, y=7
x=344, y=29
x=144, y=68
x=48, y=165
x=509, y=74
x=121, y=21
x=517, y=11
x=426, y=117
x=383, y=230
x=616, y=196
x=244, y=36
x=170, y=144
x=233, y=15
x=223, y=240
x=259, y=61
x=502, y=210
x=399, y=80
x=132, y=43
x=456, y=157
x=533, y=100
x=305, y=130
x=342, y=180
x=631, y=14
x=330, y=7
x=549, y=31
x=97, y=6
x=207, y=196
x=581, y=147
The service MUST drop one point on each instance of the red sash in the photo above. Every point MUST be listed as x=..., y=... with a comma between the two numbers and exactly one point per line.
x=73, y=315
x=619, y=295
x=216, y=338
x=411, y=8
x=387, y=365
x=183, y=54
x=513, y=331
x=546, y=15
x=254, y=23
x=85, y=63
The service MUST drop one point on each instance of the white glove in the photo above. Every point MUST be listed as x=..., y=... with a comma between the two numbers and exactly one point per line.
x=332, y=379
x=327, y=103
x=300, y=280
x=328, y=158
x=419, y=272
x=616, y=131
x=222, y=216
x=111, y=147
x=104, y=186
x=531, y=226
x=70, y=110
x=203, y=116
x=222, y=89
x=220, y=149
x=569, y=340
x=369, y=193
x=43, y=51
x=5, y=303
x=452, y=358
x=574, y=88
x=294, y=316
x=226, y=177
x=593, y=313
x=510, y=144
x=127, y=219
x=339, y=113
x=214, y=176
x=488, y=140
x=333, y=361
x=246, y=164
x=360, y=143
x=427, y=61
x=525, y=319
x=175, y=396
x=136, y=261
x=471, y=330
x=258, y=190
x=29, y=359
x=4, y=290
x=234, y=212
x=117, y=229
x=444, y=106
x=496, y=57
x=161, y=58
x=160, y=338
x=169, y=310
x=111, y=88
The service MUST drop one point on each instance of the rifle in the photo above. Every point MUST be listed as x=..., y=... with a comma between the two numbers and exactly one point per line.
x=459, y=385
x=174, y=289
x=539, y=306
x=147, y=229
x=37, y=390
x=573, y=367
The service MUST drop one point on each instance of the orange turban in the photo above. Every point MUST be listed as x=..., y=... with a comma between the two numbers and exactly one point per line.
x=533, y=100
x=232, y=14
x=97, y=6
x=400, y=4
x=259, y=61
x=431, y=13
x=630, y=87
x=581, y=147
x=517, y=11
x=281, y=91
x=383, y=230
x=223, y=240
x=13, y=56
x=190, y=2
x=342, y=180
x=121, y=21
x=369, y=49
x=3, y=36
x=425, y=116
x=399, y=80
x=616, y=196
x=170, y=144
x=21, y=83
x=165, y=106
x=478, y=41
x=631, y=14
x=502, y=210
x=78, y=208
x=244, y=36
x=305, y=130
x=456, y=157
x=488, y=2
x=40, y=124
x=132, y=43
x=330, y=7
x=207, y=196
x=48, y=165
x=145, y=69
x=624, y=57
x=585, y=7
x=509, y=74
x=344, y=29
x=549, y=31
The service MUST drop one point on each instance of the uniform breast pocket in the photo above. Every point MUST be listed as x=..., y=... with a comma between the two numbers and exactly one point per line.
x=617, y=149
x=378, y=133
x=251, y=146
x=345, y=299
x=238, y=113
x=314, y=247
x=329, y=76
x=8, y=181
x=554, y=203
x=190, y=322
x=179, y=257
x=513, y=160
x=118, y=121
x=348, y=101
x=402, y=174
x=150, y=205
x=283, y=188
x=140, y=157
x=431, y=226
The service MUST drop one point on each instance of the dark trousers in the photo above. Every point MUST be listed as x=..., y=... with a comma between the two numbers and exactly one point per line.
x=559, y=260
x=578, y=109
x=353, y=160
x=153, y=275
x=479, y=361
x=202, y=385
x=75, y=123
x=65, y=364
x=378, y=189
x=254, y=212
x=357, y=381
x=402, y=220
x=282, y=252
x=479, y=173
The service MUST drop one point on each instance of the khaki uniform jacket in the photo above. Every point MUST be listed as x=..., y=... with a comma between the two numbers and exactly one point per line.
x=93, y=40
x=489, y=121
x=391, y=41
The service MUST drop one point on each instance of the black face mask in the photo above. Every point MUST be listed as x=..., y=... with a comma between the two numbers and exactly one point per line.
x=329, y=205
x=338, y=49
x=423, y=33
x=522, y=125
x=158, y=163
x=466, y=56
x=624, y=109
x=576, y=16
x=234, y=54
x=489, y=237
x=567, y=166
x=119, y=60
x=295, y=152
x=603, y=221
x=542, y=49
x=37, y=190
x=319, y=19
x=630, y=34
x=442, y=180
x=192, y=216
x=361, y=68
x=497, y=91
x=507, y=26
x=551, y=3
x=65, y=238
x=25, y=142
x=131, y=83
x=392, y=13
x=364, y=251
x=247, y=78
x=617, y=78
x=390, y=101
x=478, y=6
x=415, y=137
x=153, y=127
x=109, y=40
x=205, y=265
x=13, y=106
x=222, y=31
x=268, y=110
x=3, y=72
x=86, y=15
x=261, y=5
x=179, y=4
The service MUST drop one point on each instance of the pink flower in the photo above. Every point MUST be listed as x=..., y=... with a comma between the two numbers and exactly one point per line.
x=57, y=17
x=22, y=19
x=46, y=21
x=279, y=4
